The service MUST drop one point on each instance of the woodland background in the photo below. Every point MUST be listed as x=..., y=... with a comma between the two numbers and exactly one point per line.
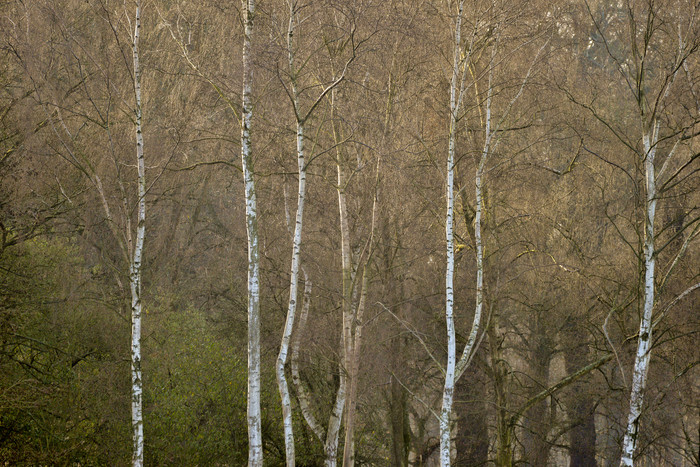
x=563, y=227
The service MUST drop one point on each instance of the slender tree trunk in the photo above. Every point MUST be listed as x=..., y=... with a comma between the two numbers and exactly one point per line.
x=448, y=389
x=347, y=285
x=580, y=405
x=456, y=368
x=291, y=310
x=331, y=439
x=349, y=448
x=255, y=450
x=332, y=435
x=504, y=432
x=535, y=421
x=643, y=356
x=135, y=266
x=472, y=439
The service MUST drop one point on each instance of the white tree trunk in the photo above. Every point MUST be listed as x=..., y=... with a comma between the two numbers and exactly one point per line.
x=471, y=344
x=302, y=394
x=455, y=368
x=255, y=448
x=354, y=370
x=135, y=266
x=291, y=310
x=334, y=430
x=448, y=389
x=643, y=356
x=330, y=439
x=332, y=435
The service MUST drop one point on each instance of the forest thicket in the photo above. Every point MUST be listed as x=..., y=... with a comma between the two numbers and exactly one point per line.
x=357, y=232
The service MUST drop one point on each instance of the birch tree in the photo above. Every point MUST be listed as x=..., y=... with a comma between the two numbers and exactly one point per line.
x=649, y=46
x=301, y=116
x=255, y=448
x=341, y=47
x=459, y=75
x=243, y=115
x=651, y=104
x=484, y=36
x=136, y=258
x=91, y=108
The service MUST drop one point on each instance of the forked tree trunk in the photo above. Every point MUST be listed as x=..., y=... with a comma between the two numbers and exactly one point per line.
x=448, y=388
x=301, y=119
x=291, y=309
x=296, y=256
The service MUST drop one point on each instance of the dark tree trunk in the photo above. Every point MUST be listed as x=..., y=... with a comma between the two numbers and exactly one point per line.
x=472, y=431
x=580, y=406
x=537, y=423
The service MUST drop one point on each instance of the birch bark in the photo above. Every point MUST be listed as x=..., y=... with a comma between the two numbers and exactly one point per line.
x=121, y=228
x=296, y=253
x=255, y=451
x=291, y=309
x=347, y=267
x=649, y=110
x=330, y=440
x=448, y=389
x=460, y=67
x=643, y=355
x=135, y=264
x=301, y=118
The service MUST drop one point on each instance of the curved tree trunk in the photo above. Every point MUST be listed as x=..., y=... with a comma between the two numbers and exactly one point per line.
x=291, y=310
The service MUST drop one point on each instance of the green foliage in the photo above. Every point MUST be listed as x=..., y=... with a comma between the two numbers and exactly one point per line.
x=195, y=388
x=64, y=372
x=55, y=355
